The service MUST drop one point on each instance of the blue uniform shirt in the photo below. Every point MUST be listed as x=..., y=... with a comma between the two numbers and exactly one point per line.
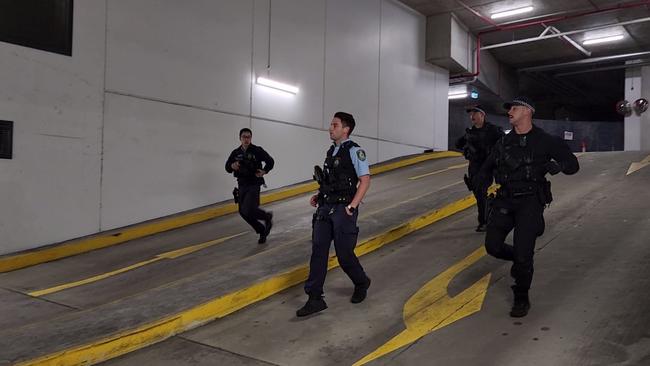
x=359, y=159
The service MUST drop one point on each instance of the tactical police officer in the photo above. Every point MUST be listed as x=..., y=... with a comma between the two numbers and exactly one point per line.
x=344, y=181
x=477, y=145
x=520, y=162
x=246, y=163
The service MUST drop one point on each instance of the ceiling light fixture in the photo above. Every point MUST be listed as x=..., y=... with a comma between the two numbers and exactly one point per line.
x=613, y=38
x=457, y=96
x=277, y=85
x=507, y=13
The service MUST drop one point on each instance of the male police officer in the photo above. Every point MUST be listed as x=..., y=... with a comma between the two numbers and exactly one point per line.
x=343, y=184
x=520, y=161
x=246, y=162
x=477, y=145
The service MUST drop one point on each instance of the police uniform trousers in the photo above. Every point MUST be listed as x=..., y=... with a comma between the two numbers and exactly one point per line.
x=480, y=191
x=524, y=214
x=331, y=222
x=249, y=206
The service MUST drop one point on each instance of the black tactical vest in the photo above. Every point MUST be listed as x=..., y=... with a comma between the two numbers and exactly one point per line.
x=341, y=178
x=516, y=162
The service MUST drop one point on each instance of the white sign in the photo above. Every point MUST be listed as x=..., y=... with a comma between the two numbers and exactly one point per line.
x=568, y=135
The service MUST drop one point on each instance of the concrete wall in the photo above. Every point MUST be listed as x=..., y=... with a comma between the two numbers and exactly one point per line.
x=138, y=122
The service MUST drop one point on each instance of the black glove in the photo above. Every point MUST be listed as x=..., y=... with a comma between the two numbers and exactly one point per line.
x=553, y=167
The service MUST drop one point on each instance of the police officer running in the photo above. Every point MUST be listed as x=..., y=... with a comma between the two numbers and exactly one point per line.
x=246, y=163
x=344, y=181
x=477, y=145
x=520, y=161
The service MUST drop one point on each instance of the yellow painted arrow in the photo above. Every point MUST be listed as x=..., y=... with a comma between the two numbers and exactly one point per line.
x=459, y=166
x=431, y=308
x=167, y=255
x=638, y=165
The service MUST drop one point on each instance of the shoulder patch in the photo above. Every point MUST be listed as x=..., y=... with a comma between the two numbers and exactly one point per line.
x=361, y=155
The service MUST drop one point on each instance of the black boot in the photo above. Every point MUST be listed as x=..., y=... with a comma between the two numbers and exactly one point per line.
x=313, y=305
x=521, y=304
x=268, y=224
x=360, y=293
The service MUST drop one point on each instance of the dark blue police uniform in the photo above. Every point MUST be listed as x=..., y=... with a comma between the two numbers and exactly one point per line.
x=250, y=160
x=343, y=165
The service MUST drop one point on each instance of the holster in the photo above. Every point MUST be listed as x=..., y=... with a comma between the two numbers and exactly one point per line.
x=545, y=195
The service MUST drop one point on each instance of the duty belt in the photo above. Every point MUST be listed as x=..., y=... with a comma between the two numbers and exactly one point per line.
x=528, y=190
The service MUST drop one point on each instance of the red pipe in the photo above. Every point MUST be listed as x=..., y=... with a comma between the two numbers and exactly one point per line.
x=499, y=28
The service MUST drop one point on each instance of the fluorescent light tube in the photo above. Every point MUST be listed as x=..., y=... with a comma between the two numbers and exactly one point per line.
x=507, y=13
x=617, y=37
x=277, y=85
x=457, y=96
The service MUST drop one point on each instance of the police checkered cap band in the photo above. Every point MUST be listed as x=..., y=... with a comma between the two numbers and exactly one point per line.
x=476, y=109
x=521, y=102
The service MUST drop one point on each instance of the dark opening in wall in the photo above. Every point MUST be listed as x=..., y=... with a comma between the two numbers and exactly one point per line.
x=41, y=24
x=6, y=139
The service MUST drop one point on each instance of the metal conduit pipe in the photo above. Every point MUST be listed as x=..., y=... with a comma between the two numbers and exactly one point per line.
x=596, y=60
x=499, y=28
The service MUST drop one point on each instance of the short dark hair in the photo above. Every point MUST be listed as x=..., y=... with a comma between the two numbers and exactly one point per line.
x=347, y=120
x=245, y=129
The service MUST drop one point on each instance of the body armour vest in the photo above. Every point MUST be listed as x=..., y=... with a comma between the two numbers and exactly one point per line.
x=341, y=178
x=519, y=162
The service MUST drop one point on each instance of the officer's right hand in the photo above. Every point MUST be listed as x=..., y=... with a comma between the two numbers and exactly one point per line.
x=314, y=200
x=235, y=165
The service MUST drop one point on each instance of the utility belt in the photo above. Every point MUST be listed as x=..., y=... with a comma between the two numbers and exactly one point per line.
x=540, y=189
x=334, y=199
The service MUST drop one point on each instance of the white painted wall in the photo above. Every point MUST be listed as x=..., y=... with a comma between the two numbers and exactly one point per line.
x=637, y=127
x=49, y=191
x=137, y=124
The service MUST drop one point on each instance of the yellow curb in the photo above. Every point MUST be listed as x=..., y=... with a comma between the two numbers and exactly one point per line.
x=69, y=248
x=145, y=335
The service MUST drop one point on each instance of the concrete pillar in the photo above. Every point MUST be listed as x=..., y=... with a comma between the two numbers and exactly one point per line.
x=637, y=128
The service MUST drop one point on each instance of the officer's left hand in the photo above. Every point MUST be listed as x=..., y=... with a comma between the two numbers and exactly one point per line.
x=347, y=211
x=553, y=167
x=260, y=173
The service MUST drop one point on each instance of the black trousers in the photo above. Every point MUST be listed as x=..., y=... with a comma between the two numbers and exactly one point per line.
x=480, y=191
x=526, y=216
x=249, y=207
x=331, y=222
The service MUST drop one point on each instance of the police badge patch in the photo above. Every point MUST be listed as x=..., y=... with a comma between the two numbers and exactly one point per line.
x=361, y=155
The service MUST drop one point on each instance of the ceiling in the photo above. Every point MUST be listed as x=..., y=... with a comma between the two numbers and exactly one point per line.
x=589, y=94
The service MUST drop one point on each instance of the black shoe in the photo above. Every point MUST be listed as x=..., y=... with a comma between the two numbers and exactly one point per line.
x=360, y=293
x=521, y=304
x=269, y=223
x=481, y=228
x=262, y=239
x=313, y=305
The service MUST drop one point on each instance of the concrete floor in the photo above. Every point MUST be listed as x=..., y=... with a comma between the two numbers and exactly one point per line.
x=590, y=296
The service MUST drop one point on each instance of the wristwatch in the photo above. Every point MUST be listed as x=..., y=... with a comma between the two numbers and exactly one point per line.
x=351, y=209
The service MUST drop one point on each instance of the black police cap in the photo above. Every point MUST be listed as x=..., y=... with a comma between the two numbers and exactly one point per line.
x=522, y=101
x=476, y=108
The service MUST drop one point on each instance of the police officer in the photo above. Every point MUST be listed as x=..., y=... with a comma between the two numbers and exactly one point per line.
x=520, y=162
x=344, y=181
x=477, y=145
x=246, y=163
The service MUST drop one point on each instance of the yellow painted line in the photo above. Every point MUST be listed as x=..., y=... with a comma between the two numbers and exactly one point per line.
x=439, y=171
x=142, y=336
x=431, y=308
x=102, y=240
x=638, y=165
x=167, y=255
